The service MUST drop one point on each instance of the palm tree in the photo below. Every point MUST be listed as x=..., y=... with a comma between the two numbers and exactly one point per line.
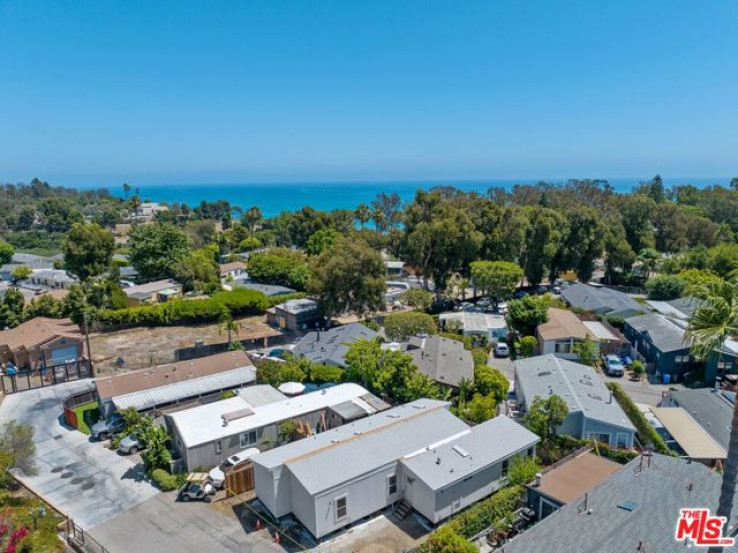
x=126, y=190
x=363, y=214
x=135, y=204
x=714, y=320
x=227, y=324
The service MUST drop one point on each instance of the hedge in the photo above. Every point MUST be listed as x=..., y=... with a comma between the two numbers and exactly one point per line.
x=239, y=302
x=646, y=433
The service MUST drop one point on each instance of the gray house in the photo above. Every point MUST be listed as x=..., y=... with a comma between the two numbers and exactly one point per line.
x=601, y=300
x=329, y=347
x=441, y=359
x=634, y=510
x=593, y=413
x=205, y=435
x=418, y=453
x=662, y=342
x=712, y=409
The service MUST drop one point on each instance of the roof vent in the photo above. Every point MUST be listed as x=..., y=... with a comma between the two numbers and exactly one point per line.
x=460, y=450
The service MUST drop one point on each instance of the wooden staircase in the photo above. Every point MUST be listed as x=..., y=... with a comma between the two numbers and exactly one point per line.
x=402, y=509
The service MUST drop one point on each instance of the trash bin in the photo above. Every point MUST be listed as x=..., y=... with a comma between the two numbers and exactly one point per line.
x=666, y=378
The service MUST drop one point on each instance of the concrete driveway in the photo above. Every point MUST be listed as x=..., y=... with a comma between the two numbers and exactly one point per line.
x=86, y=481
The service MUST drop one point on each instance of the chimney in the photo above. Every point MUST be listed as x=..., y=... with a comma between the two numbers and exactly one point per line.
x=539, y=479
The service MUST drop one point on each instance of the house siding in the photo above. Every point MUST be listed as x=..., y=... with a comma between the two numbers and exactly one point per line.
x=663, y=362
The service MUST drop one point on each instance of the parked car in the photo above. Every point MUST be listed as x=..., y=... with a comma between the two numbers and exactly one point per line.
x=502, y=307
x=613, y=365
x=198, y=487
x=502, y=349
x=520, y=294
x=217, y=475
x=556, y=290
x=542, y=289
x=130, y=445
x=104, y=429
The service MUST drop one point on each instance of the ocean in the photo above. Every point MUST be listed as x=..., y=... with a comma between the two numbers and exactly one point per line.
x=273, y=198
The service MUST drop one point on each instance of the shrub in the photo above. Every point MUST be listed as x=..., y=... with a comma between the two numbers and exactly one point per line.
x=487, y=513
x=321, y=374
x=164, y=480
x=646, y=433
x=401, y=326
x=523, y=470
x=527, y=346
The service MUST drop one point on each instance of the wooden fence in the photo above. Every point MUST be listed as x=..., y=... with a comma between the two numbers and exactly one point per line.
x=239, y=480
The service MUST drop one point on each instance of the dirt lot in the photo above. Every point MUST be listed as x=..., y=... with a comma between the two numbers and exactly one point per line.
x=145, y=347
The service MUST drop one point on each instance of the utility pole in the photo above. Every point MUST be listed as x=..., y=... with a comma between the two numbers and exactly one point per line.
x=87, y=340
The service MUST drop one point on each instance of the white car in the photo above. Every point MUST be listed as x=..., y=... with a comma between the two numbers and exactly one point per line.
x=613, y=365
x=217, y=475
x=502, y=349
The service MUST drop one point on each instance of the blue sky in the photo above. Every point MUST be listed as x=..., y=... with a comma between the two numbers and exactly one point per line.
x=269, y=90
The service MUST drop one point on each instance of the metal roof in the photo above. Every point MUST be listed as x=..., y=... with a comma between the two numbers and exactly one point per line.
x=666, y=334
x=578, y=385
x=365, y=448
x=484, y=445
x=476, y=322
x=710, y=408
x=600, y=331
x=147, y=399
x=635, y=509
x=691, y=437
x=331, y=346
x=204, y=424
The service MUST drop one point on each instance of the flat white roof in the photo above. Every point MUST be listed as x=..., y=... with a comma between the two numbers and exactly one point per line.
x=204, y=424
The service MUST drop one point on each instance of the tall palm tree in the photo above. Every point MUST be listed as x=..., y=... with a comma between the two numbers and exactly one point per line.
x=363, y=214
x=714, y=320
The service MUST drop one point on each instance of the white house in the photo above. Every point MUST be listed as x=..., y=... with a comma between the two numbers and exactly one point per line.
x=492, y=326
x=418, y=453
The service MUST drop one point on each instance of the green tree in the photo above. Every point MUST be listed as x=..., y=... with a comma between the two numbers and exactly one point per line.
x=585, y=350
x=6, y=252
x=16, y=445
x=228, y=325
x=635, y=211
x=583, y=243
x=363, y=214
x=696, y=277
x=155, y=248
x=618, y=252
x=197, y=270
x=481, y=408
x=11, y=308
x=402, y=326
x=638, y=368
x=496, y=279
x=348, y=278
x=20, y=273
x=418, y=298
x=491, y=382
x=544, y=236
x=544, y=416
x=665, y=287
x=649, y=258
x=88, y=250
x=251, y=218
x=527, y=346
x=323, y=239
x=43, y=306
x=279, y=266
x=250, y=243
x=276, y=373
x=527, y=313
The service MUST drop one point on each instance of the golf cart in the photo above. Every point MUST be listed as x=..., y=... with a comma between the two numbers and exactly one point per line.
x=198, y=487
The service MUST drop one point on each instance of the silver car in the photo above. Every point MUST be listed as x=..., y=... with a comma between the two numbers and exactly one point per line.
x=130, y=445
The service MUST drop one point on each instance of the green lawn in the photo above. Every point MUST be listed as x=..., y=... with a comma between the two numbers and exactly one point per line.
x=87, y=415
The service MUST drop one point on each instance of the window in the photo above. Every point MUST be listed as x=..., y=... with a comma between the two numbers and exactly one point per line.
x=341, y=507
x=218, y=447
x=248, y=438
x=563, y=347
x=530, y=451
x=602, y=438
x=505, y=467
x=391, y=485
x=622, y=439
x=681, y=360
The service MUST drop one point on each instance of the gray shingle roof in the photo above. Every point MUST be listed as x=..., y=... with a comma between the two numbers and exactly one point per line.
x=601, y=300
x=486, y=444
x=266, y=289
x=665, y=333
x=658, y=492
x=578, y=385
x=710, y=408
x=442, y=359
x=330, y=347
